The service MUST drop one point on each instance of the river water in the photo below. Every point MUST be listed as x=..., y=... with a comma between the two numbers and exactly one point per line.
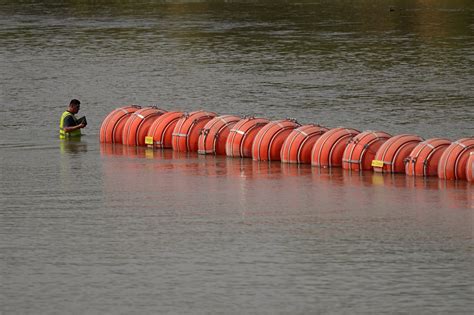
x=91, y=229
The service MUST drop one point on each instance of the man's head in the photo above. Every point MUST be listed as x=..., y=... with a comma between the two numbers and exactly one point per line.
x=74, y=106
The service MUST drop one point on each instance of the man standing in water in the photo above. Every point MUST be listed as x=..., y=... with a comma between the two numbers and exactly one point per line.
x=69, y=125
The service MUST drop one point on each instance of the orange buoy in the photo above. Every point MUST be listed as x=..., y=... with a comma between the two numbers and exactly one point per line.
x=186, y=132
x=470, y=167
x=391, y=155
x=328, y=149
x=214, y=134
x=360, y=151
x=241, y=136
x=423, y=159
x=299, y=143
x=453, y=161
x=137, y=125
x=112, y=126
x=161, y=130
x=269, y=140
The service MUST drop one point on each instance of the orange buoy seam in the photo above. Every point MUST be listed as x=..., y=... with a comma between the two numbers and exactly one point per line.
x=341, y=138
x=274, y=137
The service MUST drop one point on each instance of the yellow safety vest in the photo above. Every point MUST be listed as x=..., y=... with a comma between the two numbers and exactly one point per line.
x=63, y=134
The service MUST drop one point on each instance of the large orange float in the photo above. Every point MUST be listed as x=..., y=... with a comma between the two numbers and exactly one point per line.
x=390, y=157
x=161, y=130
x=424, y=158
x=453, y=161
x=286, y=140
x=112, y=126
x=269, y=140
x=329, y=148
x=214, y=134
x=241, y=136
x=470, y=167
x=360, y=151
x=186, y=132
x=137, y=125
x=299, y=143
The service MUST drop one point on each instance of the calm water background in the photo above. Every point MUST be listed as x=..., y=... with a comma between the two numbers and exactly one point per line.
x=94, y=229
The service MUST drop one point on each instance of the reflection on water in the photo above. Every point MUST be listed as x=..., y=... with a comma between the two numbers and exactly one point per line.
x=184, y=167
x=110, y=228
x=72, y=146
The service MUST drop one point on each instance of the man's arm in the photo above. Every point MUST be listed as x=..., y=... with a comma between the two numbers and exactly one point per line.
x=70, y=125
x=69, y=129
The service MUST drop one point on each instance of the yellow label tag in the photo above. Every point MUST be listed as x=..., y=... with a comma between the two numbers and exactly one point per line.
x=377, y=163
x=149, y=140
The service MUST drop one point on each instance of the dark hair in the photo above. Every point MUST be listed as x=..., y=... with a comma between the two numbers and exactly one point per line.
x=75, y=102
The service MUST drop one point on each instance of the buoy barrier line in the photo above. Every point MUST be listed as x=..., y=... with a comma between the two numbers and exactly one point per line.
x=160, y=133
x=329, y=148
x=186, y=133
x=361, y=150
x=241, y=137
x=137, y=125
x=270, y=138
x=470, y=167
x=409, y=154
x=453, y=161
x=423, y=160
x=390, y=157
x=112, y=126
x=299, y=143
x=213, y=137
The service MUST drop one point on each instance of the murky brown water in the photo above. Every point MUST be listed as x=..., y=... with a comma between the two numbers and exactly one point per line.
x=86, y=228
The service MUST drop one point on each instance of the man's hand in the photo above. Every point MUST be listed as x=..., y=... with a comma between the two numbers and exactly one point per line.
x=70, y=129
